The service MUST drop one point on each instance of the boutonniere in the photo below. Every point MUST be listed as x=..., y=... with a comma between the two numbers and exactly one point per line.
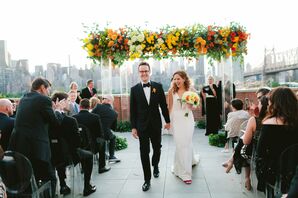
x=153, y=90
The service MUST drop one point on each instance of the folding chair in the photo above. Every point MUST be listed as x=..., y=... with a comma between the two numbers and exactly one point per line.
x=17, y=175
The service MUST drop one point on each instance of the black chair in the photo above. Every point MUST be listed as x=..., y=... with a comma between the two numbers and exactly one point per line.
x=17, y=175
x=287, y=164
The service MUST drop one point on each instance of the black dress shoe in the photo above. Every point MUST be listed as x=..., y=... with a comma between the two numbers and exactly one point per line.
x=156, y=172
x=104, y=169
x=146, y=186
x=64, y=190
x=89, y=190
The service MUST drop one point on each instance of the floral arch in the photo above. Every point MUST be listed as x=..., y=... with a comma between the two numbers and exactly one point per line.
x=129, y=43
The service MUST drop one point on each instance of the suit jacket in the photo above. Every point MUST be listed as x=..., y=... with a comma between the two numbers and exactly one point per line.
x=86, y=93
x=142, y=114
x=72, y=110
x=65, y=139
x=92, y=122
x=34, y=115
x=6, y=127
x=108, y=117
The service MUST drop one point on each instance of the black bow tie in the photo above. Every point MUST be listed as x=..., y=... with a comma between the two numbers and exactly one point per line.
x=146, y=85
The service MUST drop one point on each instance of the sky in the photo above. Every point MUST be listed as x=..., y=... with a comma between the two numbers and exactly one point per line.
x=44, y=31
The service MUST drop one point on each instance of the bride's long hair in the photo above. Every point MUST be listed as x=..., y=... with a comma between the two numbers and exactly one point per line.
x=183, y=75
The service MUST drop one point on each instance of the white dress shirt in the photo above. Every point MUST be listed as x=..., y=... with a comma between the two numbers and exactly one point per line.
x=147, y=91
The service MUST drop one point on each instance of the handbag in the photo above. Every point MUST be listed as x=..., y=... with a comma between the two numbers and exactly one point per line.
x=246, y=151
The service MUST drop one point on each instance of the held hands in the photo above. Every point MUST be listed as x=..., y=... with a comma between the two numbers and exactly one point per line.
x=167, y=126
x=134, y=133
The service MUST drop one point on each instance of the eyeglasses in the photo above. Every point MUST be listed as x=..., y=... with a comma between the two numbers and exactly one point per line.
x=145, y=71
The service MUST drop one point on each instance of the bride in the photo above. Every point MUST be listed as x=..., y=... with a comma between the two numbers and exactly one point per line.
x=183, y=128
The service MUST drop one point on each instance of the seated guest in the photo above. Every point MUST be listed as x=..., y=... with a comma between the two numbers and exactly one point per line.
x=89, y=91
x=278, y=132
x=108, y=117
x=235, y=119
x=73, y=106
x=6, y=122
x=74, y=87
x=65, y=141
x=93, y=102
x=93, y=123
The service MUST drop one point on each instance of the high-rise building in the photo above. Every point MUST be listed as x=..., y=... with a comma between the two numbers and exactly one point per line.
x=4, y=56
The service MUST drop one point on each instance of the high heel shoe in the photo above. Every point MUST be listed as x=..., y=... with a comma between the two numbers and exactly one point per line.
x=247, y=184
x=187, y=181
x=229, y=166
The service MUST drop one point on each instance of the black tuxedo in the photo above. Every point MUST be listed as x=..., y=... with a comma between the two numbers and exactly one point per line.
x=108, y=117
x=86, y=93
x=146, y=119
x=6, y=127
x=93, y=123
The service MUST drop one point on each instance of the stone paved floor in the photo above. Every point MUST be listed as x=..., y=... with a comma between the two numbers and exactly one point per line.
x=126, y=178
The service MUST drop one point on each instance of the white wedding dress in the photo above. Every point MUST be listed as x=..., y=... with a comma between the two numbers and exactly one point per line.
x=183, y=129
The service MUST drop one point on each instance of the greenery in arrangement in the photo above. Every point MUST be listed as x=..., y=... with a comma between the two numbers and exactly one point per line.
x=121, y=143
x=201, y=124
x=218, y=140
x=9, y=95
x=123, y=126
x=129, y=43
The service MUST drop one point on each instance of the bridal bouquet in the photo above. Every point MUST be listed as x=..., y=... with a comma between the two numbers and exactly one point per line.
x=191, y=99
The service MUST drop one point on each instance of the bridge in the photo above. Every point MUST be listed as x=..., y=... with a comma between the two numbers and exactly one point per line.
x=275, y=64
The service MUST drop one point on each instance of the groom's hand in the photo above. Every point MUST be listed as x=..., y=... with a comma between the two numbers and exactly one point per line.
x=167, y=126
x=134, y=133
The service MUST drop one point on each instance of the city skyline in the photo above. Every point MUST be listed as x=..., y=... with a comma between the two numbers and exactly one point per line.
x=49, y=31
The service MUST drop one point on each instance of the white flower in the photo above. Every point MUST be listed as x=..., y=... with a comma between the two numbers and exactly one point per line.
x=133, y=39
x=132, y=48
x=139, y=48
x=129, y=42
x=160, y=41
x=141, y=37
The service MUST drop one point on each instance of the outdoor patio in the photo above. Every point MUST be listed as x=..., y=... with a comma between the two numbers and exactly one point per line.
x=209, y=178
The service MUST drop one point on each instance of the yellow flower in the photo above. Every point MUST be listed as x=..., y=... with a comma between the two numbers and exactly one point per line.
x=153, y=90
x=89, y=46
x=86, y=40
x=90, y=53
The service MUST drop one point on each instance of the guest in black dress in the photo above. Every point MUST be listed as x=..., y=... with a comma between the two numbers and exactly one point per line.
x=279, y=131
x=210, y=99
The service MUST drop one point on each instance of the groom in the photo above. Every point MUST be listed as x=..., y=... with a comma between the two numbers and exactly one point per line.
x=145, y=99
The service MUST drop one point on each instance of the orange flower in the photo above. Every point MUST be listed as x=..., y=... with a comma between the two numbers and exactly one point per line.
x=111, y=43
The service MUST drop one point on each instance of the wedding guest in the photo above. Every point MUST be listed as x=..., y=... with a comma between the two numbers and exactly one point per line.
x=74, y=87
x=89, y=91
x=35, y=113
x=65, y=143
x=235, y=119
x=210, y=99
x=108, y=117
x=6, y=122
x=93, y=123
x=73, y=106
x=279, y=131
x=93, y=102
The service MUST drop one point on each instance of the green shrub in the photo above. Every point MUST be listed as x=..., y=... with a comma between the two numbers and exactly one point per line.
x=201, y=124
x=218, y=140
x=123, y=126
x=121, y=143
